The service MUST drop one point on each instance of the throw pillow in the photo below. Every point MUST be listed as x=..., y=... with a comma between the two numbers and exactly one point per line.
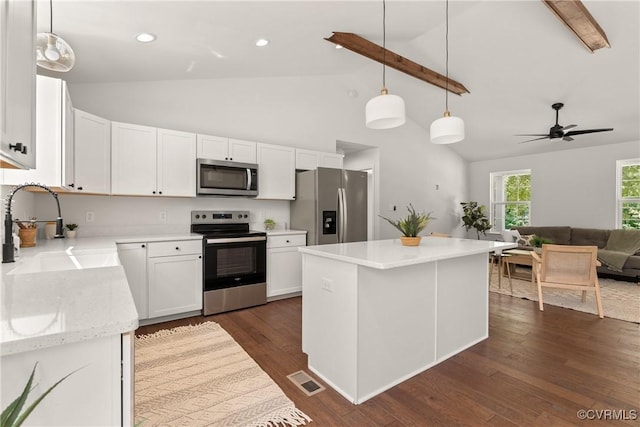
x=510, y=236
x=525, y=239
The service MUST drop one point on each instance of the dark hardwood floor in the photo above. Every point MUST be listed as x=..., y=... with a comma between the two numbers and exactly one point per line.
x=536, y=369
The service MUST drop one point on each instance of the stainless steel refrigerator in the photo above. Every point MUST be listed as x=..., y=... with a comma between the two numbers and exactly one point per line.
x=331, y=205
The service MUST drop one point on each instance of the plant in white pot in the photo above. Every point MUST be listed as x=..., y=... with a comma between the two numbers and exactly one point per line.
x=71, y=230
x=411, y=225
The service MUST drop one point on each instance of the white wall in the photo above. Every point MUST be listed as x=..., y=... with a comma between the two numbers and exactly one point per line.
x=305, y=112
x=574, y=187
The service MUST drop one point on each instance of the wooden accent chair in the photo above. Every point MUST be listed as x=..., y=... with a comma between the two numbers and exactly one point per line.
x=568, y=267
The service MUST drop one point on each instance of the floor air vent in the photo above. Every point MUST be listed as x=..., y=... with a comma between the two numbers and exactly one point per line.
x=305, y=383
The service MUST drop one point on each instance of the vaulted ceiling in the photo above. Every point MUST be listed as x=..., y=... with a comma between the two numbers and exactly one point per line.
x=515, y=57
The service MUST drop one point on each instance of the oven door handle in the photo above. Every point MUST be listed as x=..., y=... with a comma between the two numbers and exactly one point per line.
x=236, y=240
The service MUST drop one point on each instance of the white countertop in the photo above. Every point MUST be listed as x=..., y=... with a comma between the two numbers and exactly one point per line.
x=285, y=232
x=391, y=254
x=67, y=290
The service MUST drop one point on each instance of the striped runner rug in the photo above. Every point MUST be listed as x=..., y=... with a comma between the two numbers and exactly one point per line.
x=199, y=376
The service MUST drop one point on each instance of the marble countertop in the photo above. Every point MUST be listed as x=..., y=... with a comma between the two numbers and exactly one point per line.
x=285, y=232
x=67, y=290
x=384, y=254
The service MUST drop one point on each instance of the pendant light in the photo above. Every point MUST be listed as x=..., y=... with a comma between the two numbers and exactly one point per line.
x=447, y=129
x=384, y=111
x=52, y=51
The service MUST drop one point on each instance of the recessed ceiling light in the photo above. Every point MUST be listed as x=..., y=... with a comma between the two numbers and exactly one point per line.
x=145, y=37
x=262, y=42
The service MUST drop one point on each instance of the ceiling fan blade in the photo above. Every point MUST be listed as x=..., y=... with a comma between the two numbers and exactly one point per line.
x=581, y=132
x=533, y=134
x=535, y=139
x=569, y=127
x=567, y=139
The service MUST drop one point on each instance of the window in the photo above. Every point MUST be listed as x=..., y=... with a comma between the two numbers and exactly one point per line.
x=510, y=199
x=628, y=194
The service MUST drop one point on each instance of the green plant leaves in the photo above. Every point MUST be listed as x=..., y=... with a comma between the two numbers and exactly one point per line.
x=412, y=224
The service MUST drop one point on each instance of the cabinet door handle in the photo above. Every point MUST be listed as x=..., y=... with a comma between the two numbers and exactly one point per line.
x=19, y=147
x=154, y=192
x=199, y=256
x=72, y=185
x=159, y=192
x=143, y=246
x=79, y=188
x=288, y=241
x=177, y=248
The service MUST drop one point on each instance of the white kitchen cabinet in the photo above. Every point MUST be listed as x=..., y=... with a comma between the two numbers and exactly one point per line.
x=310, y=159
x=133, y=258
x=276, y=172
x=176, y=165
x=150, y=161
x=284, y=264
x=54, y=137
x=92, y=148
x=222, y=148
x=100, y=392
x=17, y=83
x=175, y=277
x=133, y=159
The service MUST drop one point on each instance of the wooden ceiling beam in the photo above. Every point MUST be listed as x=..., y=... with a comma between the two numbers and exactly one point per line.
x=575, y=16
x=364, y=47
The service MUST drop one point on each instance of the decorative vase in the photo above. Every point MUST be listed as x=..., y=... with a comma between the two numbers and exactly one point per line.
x=50, y=230
x=71, y=234
x=410, y=241
x=27, y=237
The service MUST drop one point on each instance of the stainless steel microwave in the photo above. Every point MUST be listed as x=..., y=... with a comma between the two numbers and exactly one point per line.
x=223, y=178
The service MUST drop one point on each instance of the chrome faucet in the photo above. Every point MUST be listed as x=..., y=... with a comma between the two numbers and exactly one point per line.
x=8, y=247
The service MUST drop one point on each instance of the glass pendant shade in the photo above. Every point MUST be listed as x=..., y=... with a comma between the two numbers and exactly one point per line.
x=385, y=111
x=447, y=130
x=53, y=53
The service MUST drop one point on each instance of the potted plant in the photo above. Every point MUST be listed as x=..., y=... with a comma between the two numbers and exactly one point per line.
x=269, y=224
x=411, y=225
x=475, y=217
x=71, y=230
x=537, y=242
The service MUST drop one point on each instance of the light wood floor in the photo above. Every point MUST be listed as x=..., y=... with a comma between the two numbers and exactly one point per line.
x=536, y=369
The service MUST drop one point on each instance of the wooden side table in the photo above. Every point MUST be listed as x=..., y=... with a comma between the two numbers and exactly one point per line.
x=521, y=257
x=503, y=264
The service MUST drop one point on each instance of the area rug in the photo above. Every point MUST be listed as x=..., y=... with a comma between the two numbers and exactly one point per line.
x=199, y=376
x=620, y=300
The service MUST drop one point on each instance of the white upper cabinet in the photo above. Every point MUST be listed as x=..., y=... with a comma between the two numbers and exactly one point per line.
x=92, y=149
x=212, y=147
x=331, y=160
x=54, y=136
x=242, y=151
x=146, y=161
x=17, y=83
x=133, y=159
x=222, y=148
x=310, y=159
x=276, y=172
x=176, y=169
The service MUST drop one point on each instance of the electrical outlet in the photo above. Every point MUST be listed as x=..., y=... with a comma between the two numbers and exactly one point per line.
x=89, y=216
x=163, y=216
x=327, y=284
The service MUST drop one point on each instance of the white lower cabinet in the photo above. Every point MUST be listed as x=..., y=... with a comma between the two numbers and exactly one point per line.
x=284, y=264
x=100, y=392
x=165, y=278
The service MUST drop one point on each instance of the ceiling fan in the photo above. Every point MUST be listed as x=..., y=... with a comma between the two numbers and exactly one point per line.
x=557, y=132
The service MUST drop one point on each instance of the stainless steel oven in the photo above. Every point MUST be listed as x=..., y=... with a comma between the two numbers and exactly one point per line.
x=234, y=261
x=223, y=178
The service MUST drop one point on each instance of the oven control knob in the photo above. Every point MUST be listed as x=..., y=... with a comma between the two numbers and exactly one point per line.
x=204, y=216
x=197, y=216
x=246, y=216
x=239, y=216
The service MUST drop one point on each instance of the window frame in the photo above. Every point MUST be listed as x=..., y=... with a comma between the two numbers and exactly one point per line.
x=620, y=164
x=497, y=228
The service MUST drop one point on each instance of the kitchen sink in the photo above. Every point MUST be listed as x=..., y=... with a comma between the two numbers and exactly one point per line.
x=68, y=260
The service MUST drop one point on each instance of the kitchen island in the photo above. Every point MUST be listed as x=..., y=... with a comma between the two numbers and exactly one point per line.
x=377, y=313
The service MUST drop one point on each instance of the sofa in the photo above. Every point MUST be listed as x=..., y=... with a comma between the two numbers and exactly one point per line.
x=565, y=235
